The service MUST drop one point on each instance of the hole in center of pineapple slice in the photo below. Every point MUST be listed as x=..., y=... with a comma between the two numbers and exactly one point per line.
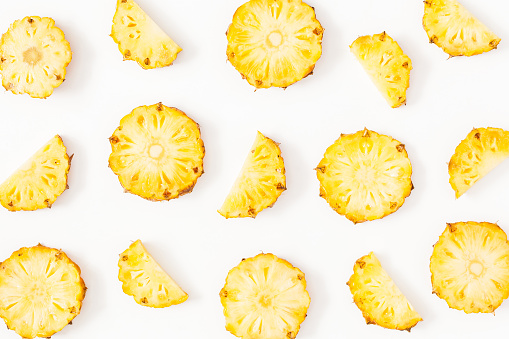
x=275, y=39
x=32, y=56
x=476, y=268
x=155, y=151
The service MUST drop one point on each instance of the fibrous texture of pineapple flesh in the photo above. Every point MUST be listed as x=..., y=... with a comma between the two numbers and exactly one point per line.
x=33, y=57
x=145, y=280
x=140, y=39
x=41, y=291
x=157, y=152
x=365, y=176
x=450, y=26
x=482, y=150
x=260, y=182
x=387, y=65
x=378, y=297
x=40, y=181
x=470, y=266
x=274, y=42
x=265, y=298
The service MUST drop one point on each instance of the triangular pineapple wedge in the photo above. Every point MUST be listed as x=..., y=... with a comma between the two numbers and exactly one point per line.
x=378, y=297
x=450, y=26
x=260, y=182
x=40, y=181
x=145, y=280
x=482, y=150
x=140, y=39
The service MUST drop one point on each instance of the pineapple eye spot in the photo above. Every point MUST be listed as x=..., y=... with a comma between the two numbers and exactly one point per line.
x=155, y=151
x=275, y=39
x=476, y=268
x=32, y=56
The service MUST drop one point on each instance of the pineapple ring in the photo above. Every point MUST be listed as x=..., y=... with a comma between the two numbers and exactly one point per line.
x=41, y=291
x=157, y=152
x=365, y=176
x=33, y=57
x=265, y=297
x=470, y=266
x=274, y=42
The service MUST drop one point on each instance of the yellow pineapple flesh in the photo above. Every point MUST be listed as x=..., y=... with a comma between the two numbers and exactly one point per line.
x=33, y=57
x=157, y=152
x=274, y=42
x=140, y=39
x=365, y=176
x=260, y=182
x=41, y=291
x=470, y=266
x=145, y=280
x=265, y=297
x=387, y=65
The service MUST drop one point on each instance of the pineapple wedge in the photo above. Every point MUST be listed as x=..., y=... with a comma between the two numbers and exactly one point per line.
x=482, y=150
x=41, y=291
x=33, y=57
x=260, y=182
x=140, y=39
x=274, y=42
x=470, y=266
x=451, y=27
x=378, y=297
x=387, y=65
x=157, y=152
x=365, y=176
x=265, y=298
x=40, y=181
x=145, y=280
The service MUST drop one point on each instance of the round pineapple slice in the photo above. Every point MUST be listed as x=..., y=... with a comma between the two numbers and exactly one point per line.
x=265, y=298
x=274, y=42
x=260, y=182
x=482, y=150
x=140, y=39
x=451, y=27
x=145, y=280
x=470, y=266
x=41, y=291
x=157, y=152
x=40, y=181
x=365, y=176
x=33, y=57
x=378, y=297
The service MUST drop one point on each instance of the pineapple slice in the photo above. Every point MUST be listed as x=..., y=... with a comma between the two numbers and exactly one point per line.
x=41, y=291
x=157, y=152
x=145, y=280
x=140, y=39
x=260, y=182
x=482, y=150
x=378, y=297
x=470, y=266
x=387, y=65
x=40, y=181
x=450, y=26
x=274, y=42
x=265, y=298
x=33, y=57
x=365, y=176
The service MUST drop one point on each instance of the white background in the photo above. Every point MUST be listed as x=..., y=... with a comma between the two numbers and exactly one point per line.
x=94, y=220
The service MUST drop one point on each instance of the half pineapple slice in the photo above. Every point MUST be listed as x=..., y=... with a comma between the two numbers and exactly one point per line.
x=260, y=182
x=265, y=298
x=145, y=280
x=482, y=150
x=274, y=42
x=140, y=39
x=387, y=65
x=40, y=181
x=157, y=152
x=378, y=297
x=365, y=176
x=450, y=26
x=470, y=266
x=41, y=291
x=33, y=57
